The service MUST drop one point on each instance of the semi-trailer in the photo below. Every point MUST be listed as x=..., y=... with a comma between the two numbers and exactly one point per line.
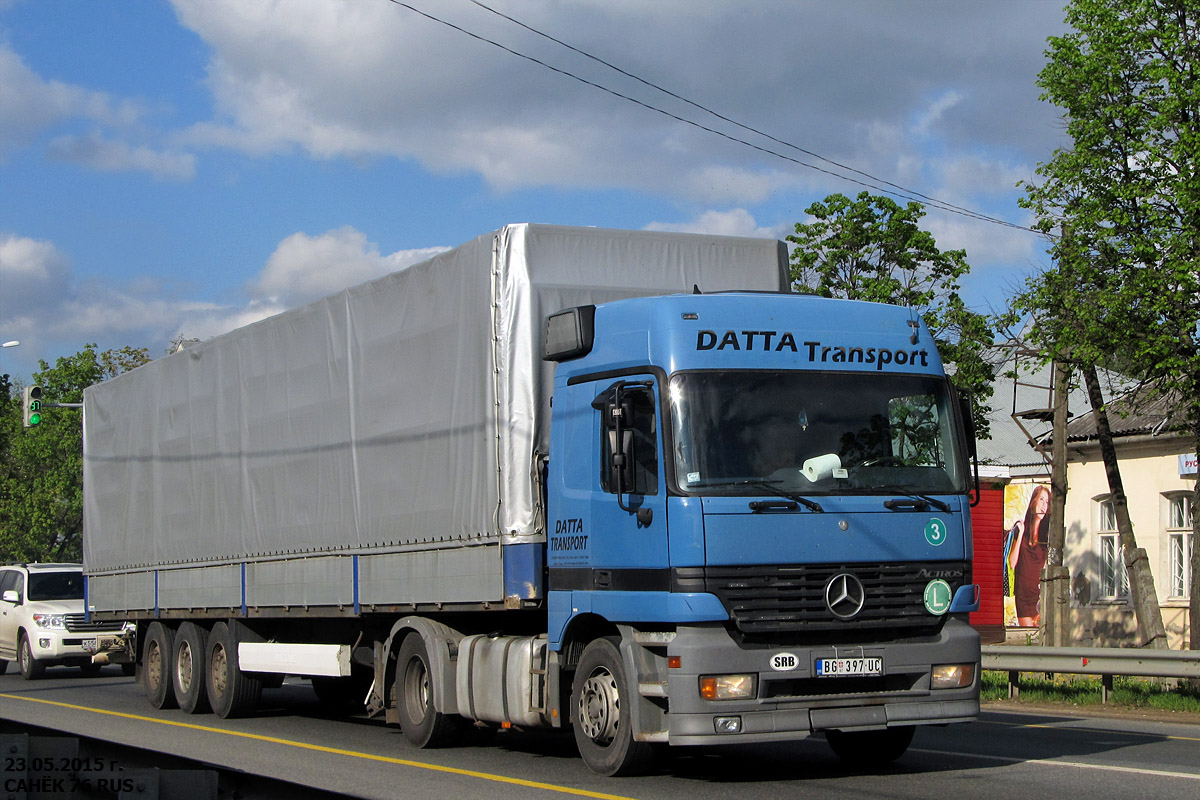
x=618, y=482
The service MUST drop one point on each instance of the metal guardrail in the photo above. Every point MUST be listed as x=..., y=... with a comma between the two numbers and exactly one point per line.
x=1103, y=661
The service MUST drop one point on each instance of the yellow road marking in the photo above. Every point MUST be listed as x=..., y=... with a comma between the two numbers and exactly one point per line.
x=550, y=787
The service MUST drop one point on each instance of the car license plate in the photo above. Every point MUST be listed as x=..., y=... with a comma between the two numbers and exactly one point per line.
x=89, y=645
x=848, y=667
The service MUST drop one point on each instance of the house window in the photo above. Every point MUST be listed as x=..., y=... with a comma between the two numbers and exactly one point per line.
x=1114, y=583
x=1179, y=542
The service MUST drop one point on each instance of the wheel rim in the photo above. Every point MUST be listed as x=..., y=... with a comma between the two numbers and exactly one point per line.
x=416, y=689
x=183, y=667
x=600, y=707
x=24, y=655
x=219, y=667
x=154, y=664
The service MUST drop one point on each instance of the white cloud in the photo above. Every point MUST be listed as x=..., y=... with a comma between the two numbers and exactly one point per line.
x=928, y=118
x=735, y=222
x=304, y=268
x=32, y=272
x=108, y=155
x=375, y=79
x=29, y=104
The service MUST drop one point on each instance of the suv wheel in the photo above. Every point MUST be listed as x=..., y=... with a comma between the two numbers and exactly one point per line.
x=31, y=668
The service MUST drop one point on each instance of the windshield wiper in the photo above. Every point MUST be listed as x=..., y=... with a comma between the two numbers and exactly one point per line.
x=772, y=489
x=924, y=500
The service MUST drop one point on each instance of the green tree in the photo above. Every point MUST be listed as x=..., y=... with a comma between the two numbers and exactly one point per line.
x=41, y=475
x=1125, y=202
x=871, y=248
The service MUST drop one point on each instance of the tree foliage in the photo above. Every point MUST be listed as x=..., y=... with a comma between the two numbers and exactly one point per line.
x=871, y=248
x=1124, y=200
x=41, y=471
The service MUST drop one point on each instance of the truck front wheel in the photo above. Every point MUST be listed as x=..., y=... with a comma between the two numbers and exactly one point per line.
x=156, y=666
x=423, y=725
x=601, y=720
x=870, y=748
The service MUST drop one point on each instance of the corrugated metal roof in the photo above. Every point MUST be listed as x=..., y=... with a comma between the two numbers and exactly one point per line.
x=1142, y=412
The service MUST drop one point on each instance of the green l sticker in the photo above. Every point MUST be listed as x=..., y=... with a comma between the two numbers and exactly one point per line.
x=935, y=531
x=937, y=597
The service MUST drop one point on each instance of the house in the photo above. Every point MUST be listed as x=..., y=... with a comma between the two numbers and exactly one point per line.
x=1158, y=469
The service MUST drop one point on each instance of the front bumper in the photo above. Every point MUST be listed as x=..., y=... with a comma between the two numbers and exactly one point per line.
x=57, y=646
x=791, y=704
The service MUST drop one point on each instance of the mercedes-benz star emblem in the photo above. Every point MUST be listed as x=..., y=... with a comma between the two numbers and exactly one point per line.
x=844, y=594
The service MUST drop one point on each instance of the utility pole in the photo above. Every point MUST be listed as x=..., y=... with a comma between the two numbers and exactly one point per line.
x=1056, y=587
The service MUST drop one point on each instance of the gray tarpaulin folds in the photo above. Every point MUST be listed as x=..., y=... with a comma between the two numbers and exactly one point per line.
x=399, y=415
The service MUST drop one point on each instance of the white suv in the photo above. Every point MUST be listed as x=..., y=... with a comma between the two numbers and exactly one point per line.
x=43, y=621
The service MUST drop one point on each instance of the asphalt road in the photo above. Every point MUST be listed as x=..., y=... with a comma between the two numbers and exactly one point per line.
x=1004, y=755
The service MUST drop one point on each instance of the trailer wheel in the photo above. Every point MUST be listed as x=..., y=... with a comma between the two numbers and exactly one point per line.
x=602, y=727
x=870, y=748
x=423, y=725
x=190, y=654
x=156, y=663
x=231, y=692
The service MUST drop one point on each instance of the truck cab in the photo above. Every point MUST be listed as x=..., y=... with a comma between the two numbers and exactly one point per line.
x=760, y=502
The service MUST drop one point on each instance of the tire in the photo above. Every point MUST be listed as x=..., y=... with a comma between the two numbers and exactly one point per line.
x=90, y=670
x=602, y=728
x=423, y=725
x=189, y=655
x=3, y=667
x=231, y=692
x=870, y=748
x=31, y=668
x=156, y=666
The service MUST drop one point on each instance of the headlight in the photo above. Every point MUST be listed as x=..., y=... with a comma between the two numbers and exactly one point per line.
x=952, y=676
x=49, y=620
x=727, y=687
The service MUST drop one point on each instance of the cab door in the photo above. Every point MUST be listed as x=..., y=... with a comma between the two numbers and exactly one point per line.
x=629, y=505
x=608, y=522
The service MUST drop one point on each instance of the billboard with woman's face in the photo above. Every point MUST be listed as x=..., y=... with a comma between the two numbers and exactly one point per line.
x=1027, y=522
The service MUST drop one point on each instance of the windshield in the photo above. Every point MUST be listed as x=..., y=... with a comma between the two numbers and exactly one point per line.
x=56, y=586
x=814, y=433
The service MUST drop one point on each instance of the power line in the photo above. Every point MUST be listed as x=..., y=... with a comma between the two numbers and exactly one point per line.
x=875, y=183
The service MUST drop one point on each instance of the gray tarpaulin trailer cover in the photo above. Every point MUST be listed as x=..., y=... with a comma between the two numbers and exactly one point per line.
x=397, y=421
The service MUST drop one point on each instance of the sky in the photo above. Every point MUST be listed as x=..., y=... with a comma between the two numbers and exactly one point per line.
x=184, y=168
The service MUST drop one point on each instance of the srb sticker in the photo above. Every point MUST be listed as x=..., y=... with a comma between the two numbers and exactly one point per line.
x=784, y=662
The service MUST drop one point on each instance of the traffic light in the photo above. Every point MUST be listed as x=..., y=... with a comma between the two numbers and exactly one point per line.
x=32, y=404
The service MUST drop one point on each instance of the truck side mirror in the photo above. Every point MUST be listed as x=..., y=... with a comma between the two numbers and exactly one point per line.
x=11, y=596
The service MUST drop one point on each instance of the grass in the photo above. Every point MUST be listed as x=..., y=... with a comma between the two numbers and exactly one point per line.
x=1084, y=690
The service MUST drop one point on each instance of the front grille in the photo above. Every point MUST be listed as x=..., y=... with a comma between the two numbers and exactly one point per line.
x=791, y=598
x=77, y=623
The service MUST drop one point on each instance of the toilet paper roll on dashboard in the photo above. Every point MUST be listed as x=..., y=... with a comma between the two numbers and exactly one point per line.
x=821, y=467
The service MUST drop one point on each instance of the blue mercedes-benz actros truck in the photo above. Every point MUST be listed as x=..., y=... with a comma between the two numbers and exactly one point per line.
x=617, y=482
